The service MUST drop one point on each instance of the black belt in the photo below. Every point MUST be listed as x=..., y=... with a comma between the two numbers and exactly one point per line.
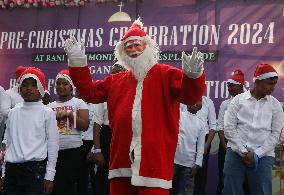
x=28, y=163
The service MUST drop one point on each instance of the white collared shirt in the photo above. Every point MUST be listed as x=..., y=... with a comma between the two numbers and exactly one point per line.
x=31, y=135
x=223, y=108
x=207, y=114
x=101, y=114
x=253, y=124
x=191, y=138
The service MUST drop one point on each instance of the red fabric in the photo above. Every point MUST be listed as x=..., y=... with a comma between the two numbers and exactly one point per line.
x=122, y=186
x=37, y=72
x=135, y=30
x=65, y=71
x=163, y=89
x=19, y=71
x=238, y=76
x=262, y=69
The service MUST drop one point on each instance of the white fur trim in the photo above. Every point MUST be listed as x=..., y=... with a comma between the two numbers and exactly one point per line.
x=39, y=84
x=234, y=82
x=265, y=76
x=133, y=38
x=66, y=77
x=151, y=182
x=139, y=22
x=135, y=145
x=122, y=172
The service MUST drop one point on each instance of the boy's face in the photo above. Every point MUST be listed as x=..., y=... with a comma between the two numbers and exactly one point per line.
x=234, y=89
x=63, y=87
x=266, y=86
x=29, y=91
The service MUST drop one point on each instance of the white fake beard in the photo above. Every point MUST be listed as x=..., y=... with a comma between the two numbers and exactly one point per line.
x=140, y=65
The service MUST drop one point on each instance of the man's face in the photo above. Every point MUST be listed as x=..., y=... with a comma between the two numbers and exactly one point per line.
x=134, y=48
x=235, y=89
x=266, y=86
x=29, y=91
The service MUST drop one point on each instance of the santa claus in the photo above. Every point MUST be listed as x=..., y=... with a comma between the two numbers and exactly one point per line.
x=143, y=105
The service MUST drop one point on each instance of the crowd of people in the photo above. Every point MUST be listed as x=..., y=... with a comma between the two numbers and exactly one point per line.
x=146, y=129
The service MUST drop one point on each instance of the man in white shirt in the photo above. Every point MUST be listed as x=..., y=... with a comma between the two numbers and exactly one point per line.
x=235, y=85
x=189, y=152
x=208, y=115
x=252, y=125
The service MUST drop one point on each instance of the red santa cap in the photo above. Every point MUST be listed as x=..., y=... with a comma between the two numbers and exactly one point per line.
x=37, y=74
x=64, y=74
x=135, y=32
x=19, y=71
x=264, y=71
x=237, y=77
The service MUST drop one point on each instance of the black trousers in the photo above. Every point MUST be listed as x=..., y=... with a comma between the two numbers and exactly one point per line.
x=201, y=176
x=25, y=178
x=67, y=172
x=85, y=169
x=101, y=181
x=221, y=161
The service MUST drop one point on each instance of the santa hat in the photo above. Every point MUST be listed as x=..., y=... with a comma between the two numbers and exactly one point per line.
x=64, y=74
x=19, y=71
x=37, y=74
x=264, y=71
x=237, y=77
x=135, y=32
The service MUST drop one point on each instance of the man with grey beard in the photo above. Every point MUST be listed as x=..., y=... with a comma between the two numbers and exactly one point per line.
x=143, y=105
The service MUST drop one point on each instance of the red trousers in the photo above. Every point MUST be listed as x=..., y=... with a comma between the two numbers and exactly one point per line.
x=122, y=186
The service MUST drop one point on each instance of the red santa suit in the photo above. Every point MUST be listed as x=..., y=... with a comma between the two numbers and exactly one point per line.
x=143, y=116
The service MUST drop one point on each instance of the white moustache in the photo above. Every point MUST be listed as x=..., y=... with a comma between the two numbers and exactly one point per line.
x=135, y=52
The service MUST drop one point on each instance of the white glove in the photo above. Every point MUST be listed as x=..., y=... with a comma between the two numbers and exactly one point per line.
x=192, y=64
x=75, y=51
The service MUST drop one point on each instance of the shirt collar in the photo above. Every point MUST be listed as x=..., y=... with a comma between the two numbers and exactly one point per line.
x=248, y=95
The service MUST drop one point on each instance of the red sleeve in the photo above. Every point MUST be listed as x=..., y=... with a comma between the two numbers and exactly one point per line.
x=89, y=90
x=192, y=89
x=187, y=90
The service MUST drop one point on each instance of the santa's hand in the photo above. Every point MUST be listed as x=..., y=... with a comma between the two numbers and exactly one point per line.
x=192, y=64
x=75, y=51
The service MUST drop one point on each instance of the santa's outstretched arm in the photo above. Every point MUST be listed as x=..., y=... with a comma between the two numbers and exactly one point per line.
x=89, y=91
x=193, y=82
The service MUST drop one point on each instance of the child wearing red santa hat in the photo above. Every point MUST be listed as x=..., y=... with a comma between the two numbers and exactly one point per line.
x=143, y=105
x=72, y=118
x=31, y=140
x=252, y=126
